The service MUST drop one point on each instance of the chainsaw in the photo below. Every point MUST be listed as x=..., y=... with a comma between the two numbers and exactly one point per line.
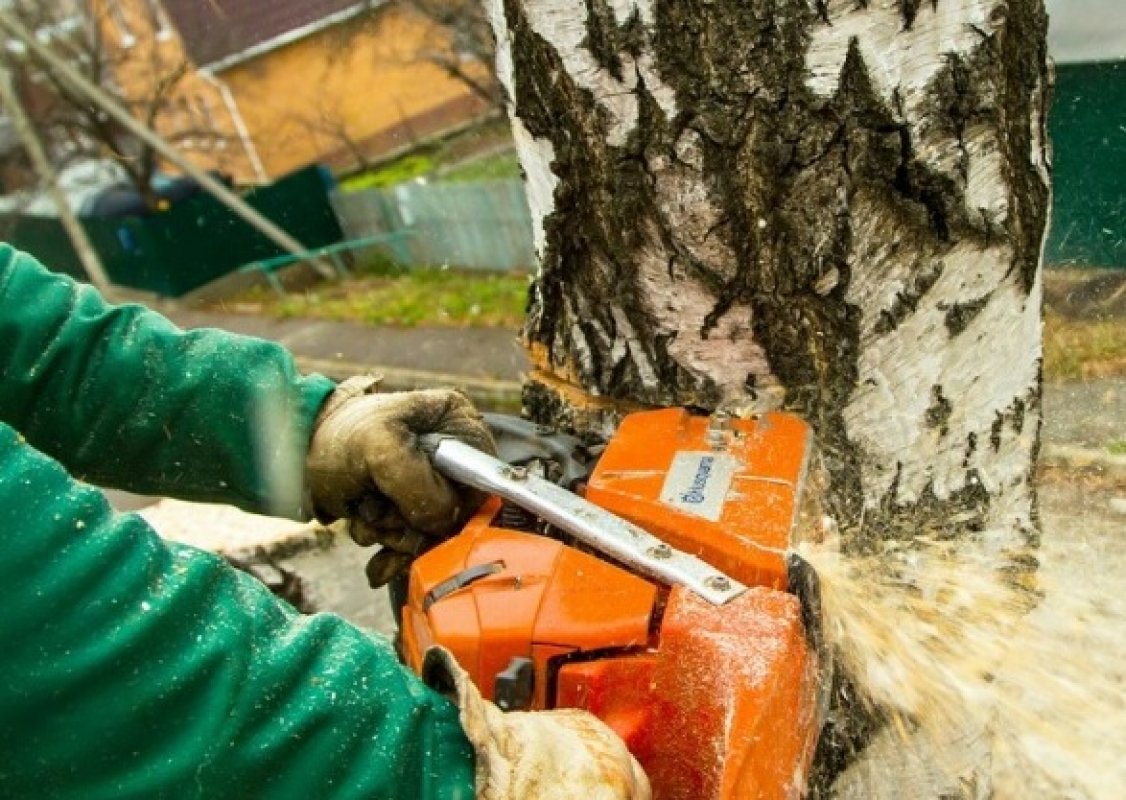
x=650, y=581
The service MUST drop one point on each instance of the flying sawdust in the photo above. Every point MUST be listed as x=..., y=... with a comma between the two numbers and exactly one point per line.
x=987, y=691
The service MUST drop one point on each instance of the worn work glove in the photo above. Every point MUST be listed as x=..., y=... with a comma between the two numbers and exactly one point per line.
x=548, y=755
x=364, y=465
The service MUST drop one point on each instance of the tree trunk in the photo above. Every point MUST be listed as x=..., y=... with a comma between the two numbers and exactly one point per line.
x=832, y=205
x=835, y=206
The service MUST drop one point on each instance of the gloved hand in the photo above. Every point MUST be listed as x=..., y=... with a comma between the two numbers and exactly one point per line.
x=548, y=755
x=364, y=466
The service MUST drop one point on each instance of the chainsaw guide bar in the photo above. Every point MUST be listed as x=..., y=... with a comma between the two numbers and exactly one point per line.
x=594, y=526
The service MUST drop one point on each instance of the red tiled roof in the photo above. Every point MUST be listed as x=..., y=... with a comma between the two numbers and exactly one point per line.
x=214, y=30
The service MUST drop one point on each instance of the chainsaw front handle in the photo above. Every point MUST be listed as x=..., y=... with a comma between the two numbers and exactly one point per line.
x=594, y=526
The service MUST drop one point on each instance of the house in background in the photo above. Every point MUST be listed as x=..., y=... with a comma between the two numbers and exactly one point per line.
x=263, y=87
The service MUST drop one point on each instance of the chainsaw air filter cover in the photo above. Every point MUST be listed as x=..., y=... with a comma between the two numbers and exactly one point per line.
x=723, y=489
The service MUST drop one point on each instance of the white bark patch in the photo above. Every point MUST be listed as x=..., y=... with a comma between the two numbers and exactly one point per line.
x=901, y=64
x=624, y=9
x=494, y=10
x=580, y=346
x=605, y=340
x=678, y=304
x=688, y=209
x=661, y=91
x=536, y=156
x=564, y=27
x=986, y=196
x=896, y=57
x=646, y=62
x=993, y=362
x=628, y=344
x=1040, y=155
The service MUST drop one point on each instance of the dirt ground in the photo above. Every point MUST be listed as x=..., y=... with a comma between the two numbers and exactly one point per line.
x=1086, y=293
x=335, y=575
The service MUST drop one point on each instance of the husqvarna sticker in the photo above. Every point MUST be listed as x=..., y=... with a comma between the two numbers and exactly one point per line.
x=698, y=482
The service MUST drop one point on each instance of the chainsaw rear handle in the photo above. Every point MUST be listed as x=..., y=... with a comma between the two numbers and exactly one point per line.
x=594, y=526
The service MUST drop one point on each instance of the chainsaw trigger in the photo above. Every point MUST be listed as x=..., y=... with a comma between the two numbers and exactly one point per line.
x=460, y=581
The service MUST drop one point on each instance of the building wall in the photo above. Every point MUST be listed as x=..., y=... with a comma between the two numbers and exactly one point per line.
x=360, y=86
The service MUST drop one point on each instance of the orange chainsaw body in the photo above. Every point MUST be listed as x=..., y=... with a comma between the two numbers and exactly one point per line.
x=714, y=701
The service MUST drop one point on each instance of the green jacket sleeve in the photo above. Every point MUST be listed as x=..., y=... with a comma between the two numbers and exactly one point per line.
x=133, y=668
x=123, y=398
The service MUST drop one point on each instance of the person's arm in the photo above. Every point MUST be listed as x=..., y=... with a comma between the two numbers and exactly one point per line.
x=123, y=398
x=133, y=668
x=139, y=669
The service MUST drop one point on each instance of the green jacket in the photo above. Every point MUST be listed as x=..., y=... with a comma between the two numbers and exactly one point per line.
x=136, y=668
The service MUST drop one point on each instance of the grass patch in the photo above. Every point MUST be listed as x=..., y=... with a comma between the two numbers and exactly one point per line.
x=492, y=168
x=414, y=298
x=1083, y=349
x=425, y=163
x=1117, y=447
x=401, y=169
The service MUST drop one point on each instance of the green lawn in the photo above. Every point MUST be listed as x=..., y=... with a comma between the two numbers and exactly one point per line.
x=398, y=171
x=429, y=164
x=418, y=297
x=491, y=168
x=1083, y=349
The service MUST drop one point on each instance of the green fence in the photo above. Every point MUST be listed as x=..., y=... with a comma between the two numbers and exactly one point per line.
x=1088, y=129
x=473, y=225
x=193, y=243
x=46, y=239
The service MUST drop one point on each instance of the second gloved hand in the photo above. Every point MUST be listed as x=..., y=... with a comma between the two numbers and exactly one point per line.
x=364, y=465
x=546, y=755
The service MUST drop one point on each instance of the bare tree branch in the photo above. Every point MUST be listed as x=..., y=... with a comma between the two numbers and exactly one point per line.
x=331, y=123
x=70, y=125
